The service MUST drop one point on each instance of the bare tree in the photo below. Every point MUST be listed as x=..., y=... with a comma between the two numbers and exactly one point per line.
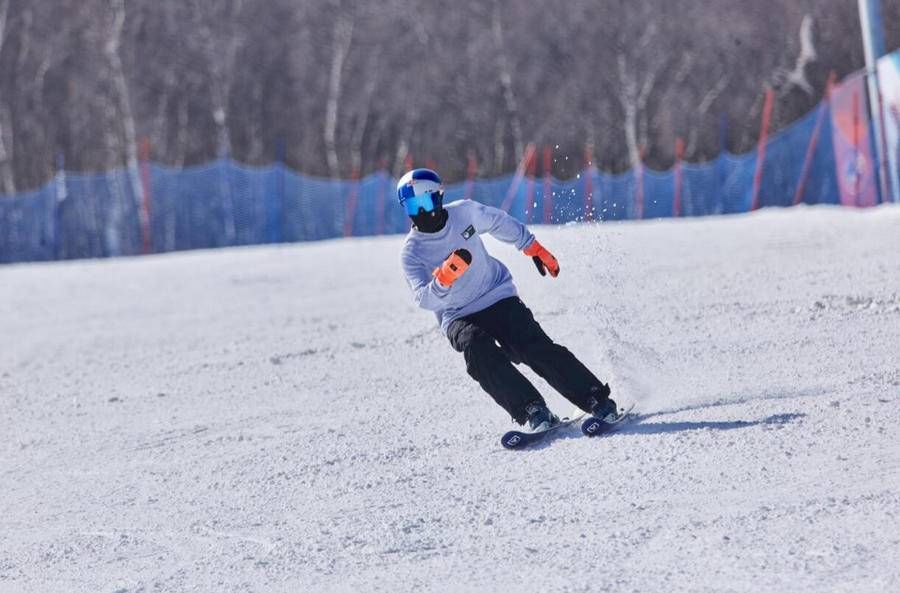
x=117, y=74
x=363, y=115
x=7, y=173
x=509, y=98
x=343, y=36
x=128, y=133
x=353, y=86
x=636, y=88
x=221, y=35
x=796, y=76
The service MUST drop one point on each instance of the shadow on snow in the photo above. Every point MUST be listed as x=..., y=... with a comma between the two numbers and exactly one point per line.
x=637, y=426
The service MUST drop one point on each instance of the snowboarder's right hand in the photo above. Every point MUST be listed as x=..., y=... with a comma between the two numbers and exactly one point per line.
x=453, y=267
x=543, y=259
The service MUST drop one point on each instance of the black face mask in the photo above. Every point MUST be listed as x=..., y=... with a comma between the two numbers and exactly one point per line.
x=431, y=222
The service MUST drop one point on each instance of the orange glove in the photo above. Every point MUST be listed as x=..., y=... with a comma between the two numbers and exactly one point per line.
x=453, y=267
x=543, y=259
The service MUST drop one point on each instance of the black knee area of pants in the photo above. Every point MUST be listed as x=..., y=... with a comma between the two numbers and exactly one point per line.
x=463, y=335
x=482, y=353
x=477, y=346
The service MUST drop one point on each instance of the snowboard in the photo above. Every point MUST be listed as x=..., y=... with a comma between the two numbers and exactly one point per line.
x=594, y=426
x=517, y=439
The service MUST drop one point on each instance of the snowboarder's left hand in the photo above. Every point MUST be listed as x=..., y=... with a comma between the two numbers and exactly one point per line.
x=542, y=258
x=453, y=267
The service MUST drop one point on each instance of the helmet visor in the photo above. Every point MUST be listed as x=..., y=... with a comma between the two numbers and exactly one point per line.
x=413, y=203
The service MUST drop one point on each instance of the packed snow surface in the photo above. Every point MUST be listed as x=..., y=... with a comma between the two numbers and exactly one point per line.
x=284, y=419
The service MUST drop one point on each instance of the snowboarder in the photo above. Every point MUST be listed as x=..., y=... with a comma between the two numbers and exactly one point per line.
x=477, y=306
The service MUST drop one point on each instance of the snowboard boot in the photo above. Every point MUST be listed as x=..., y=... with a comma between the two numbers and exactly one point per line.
x=540, y=417
x=601, y=404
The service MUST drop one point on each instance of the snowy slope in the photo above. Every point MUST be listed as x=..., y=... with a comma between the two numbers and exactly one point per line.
x=283, y=419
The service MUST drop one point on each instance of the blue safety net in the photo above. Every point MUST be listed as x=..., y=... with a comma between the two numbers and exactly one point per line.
x=156, y=208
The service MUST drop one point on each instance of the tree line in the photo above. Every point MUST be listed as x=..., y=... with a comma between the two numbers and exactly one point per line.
x=338, y=88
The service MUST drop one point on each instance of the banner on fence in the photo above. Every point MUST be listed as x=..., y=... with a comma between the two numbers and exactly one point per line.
x=889, y=80
x=852, y=144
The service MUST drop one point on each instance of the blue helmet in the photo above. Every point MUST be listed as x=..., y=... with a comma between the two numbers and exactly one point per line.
x=420, y=188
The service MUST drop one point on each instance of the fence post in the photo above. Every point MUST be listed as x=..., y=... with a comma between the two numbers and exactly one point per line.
x=471, y=172
x=857, y=176
x=275, y=202
x=676, y=199
x=761, y=147
x=639, y=186
x=350, y=211
x=226, y=196
x=721, y=167
x=814, y=140
x=61, y=194
x=548, y=186
x=588, y=182
x=529, y=189
x=886, y=180
x=892, y=191
x=379, y=197
x=870, y=21
x=517, y=179
x=147, y=197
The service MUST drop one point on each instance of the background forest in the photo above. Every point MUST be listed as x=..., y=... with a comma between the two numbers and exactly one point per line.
x=341, y=88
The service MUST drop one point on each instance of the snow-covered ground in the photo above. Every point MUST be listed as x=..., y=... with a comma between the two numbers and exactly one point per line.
x=283, y=419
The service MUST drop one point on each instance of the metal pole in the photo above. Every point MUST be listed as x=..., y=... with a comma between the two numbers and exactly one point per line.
x=873, y=44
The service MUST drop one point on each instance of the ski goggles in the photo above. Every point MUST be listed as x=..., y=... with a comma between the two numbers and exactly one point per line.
x=412, y=202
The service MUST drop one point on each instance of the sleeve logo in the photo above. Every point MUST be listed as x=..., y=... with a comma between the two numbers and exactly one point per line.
x=470, y=230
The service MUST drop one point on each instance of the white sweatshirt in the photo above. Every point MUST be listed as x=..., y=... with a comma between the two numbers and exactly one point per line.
x=485, y=282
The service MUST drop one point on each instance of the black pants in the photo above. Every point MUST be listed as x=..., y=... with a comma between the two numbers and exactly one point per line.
x=510, y=324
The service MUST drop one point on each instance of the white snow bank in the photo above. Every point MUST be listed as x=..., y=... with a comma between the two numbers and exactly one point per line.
x=283, y=419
